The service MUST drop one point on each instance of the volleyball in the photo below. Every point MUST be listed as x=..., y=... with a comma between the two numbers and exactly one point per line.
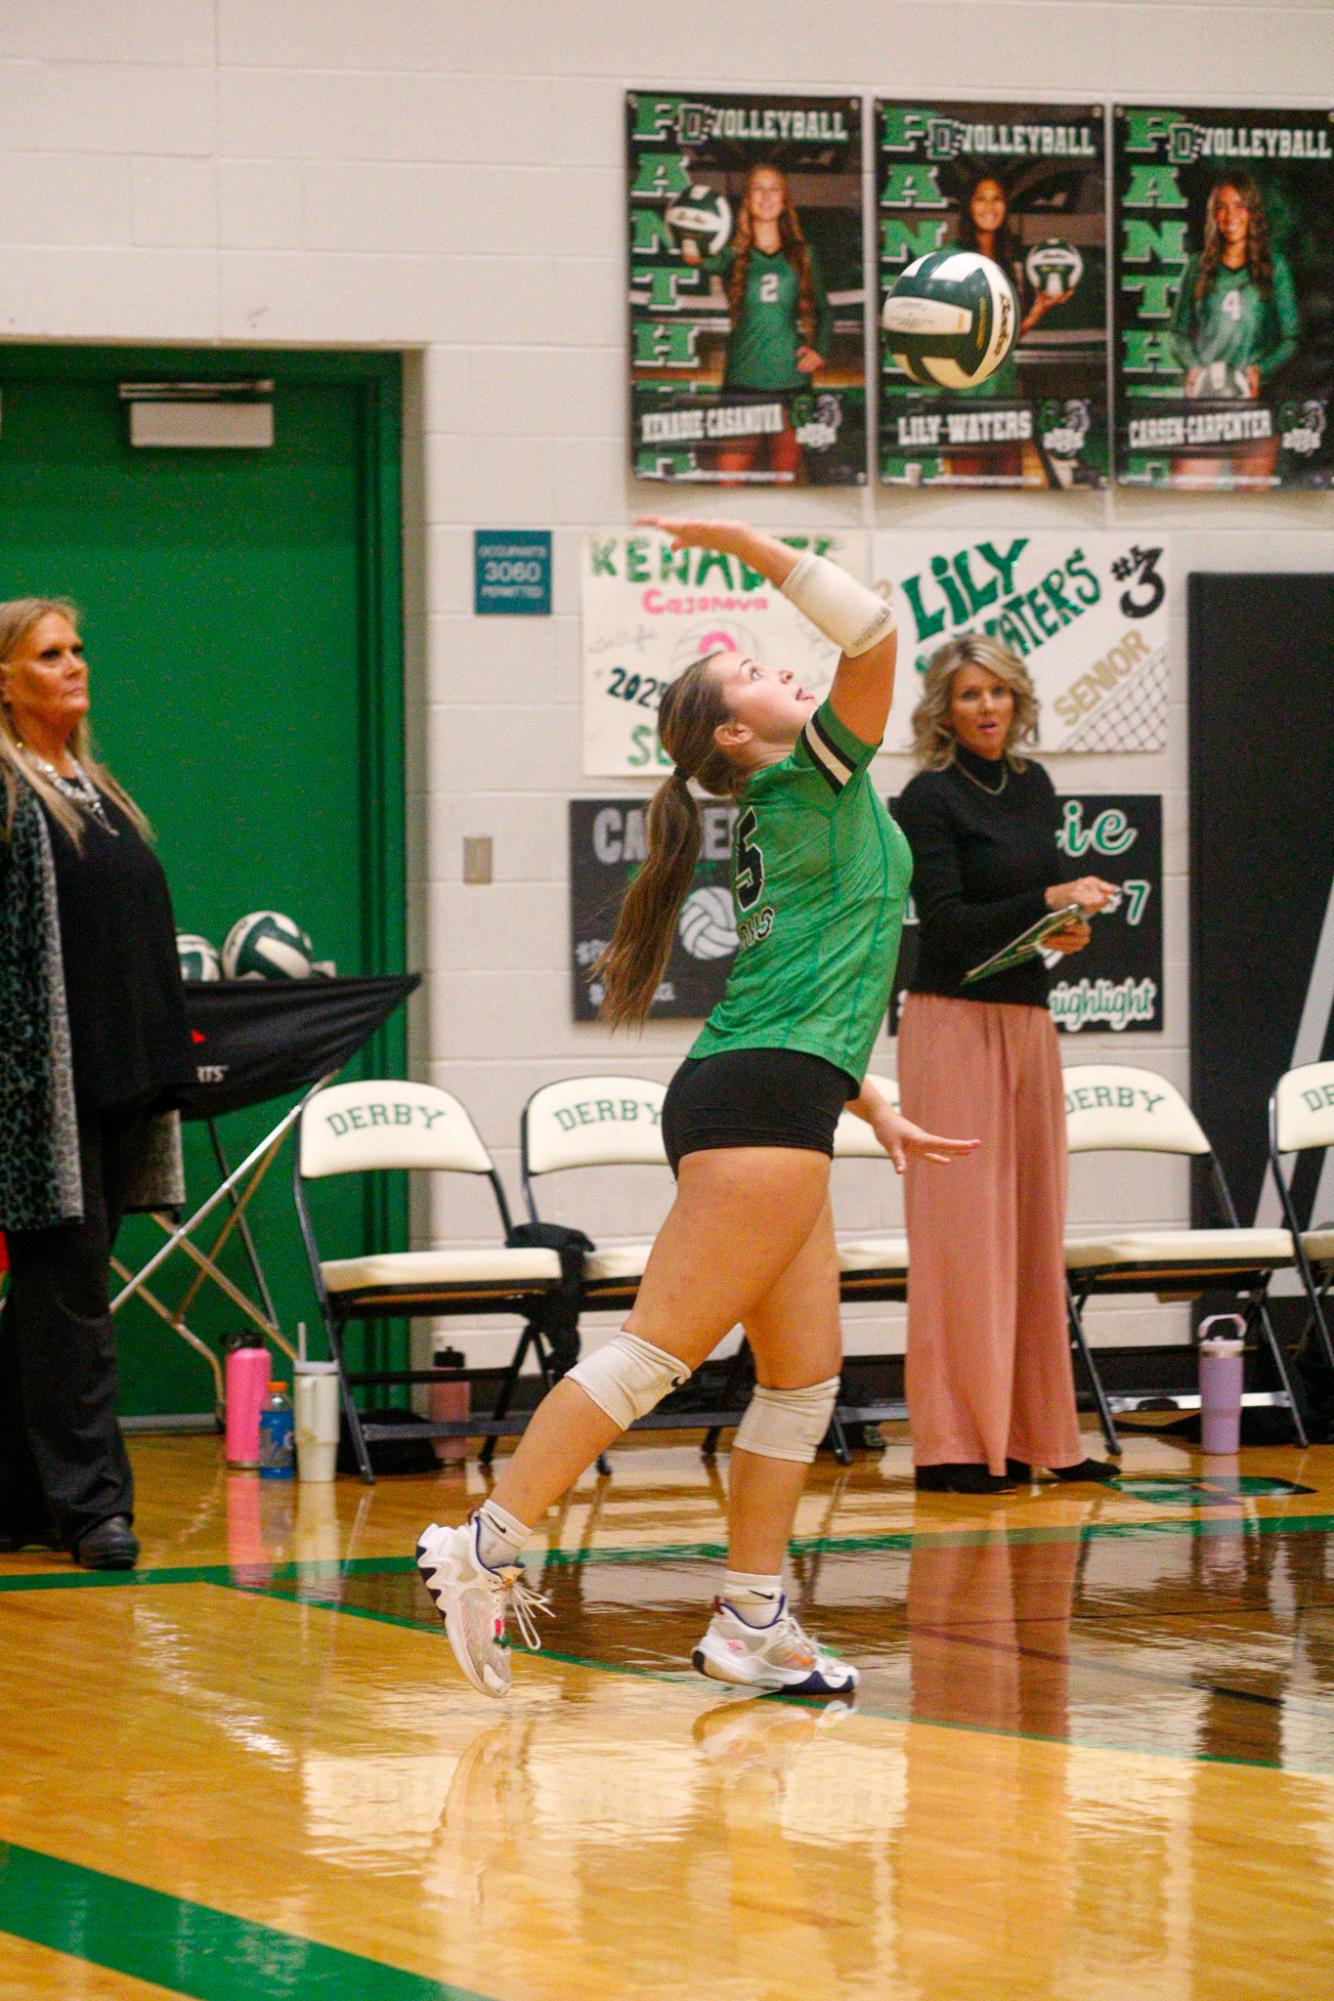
x=1219, y=381
x=199, y=960
x=266, y=946
x=1053, y=266
x=705, y=926
x=951, y=319
x=703, y=216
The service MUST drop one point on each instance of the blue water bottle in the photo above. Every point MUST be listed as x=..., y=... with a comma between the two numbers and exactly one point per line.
x=277, y=1444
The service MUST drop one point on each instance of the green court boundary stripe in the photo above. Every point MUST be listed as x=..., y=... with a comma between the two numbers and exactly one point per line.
x=683, y=1552
x=190, y=1949
x=692, y=1684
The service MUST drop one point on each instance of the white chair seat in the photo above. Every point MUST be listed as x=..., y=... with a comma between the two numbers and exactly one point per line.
x=1319, y=1244
x=873, y=1254
x=483, y=1266
x=1247, y=1249
x=616, y=1261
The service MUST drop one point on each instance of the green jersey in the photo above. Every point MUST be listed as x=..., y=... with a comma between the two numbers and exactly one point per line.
x=1236, y=322
x=762, y=347
x=820, y=875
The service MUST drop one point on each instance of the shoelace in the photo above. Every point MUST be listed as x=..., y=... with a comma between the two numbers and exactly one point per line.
x=525, y=1602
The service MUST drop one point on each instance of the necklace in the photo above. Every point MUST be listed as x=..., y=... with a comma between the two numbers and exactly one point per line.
x=992, y=791
x=79, y=788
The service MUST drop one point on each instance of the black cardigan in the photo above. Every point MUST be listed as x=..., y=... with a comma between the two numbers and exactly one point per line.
x=981, y=861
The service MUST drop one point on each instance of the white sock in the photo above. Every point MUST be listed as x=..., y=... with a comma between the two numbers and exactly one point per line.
x=753, y=1597
x=500, y=1536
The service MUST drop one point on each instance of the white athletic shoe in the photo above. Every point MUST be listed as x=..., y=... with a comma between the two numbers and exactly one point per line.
x=779, y=1655
x=472, y=1600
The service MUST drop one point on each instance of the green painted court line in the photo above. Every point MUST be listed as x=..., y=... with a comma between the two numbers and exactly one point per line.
x=683, y=1552
x=190, y=1949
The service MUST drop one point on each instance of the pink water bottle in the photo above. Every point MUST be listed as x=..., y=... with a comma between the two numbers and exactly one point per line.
x=1222, y=1365
x=246, y=1387
x=448, y=1401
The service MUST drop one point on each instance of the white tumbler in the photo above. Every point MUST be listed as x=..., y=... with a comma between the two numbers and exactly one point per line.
x=316, y=1410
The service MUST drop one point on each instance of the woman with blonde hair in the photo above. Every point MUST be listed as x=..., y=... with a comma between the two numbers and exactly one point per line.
x=819, y=875
x=990, y=1387
x=93, y=1045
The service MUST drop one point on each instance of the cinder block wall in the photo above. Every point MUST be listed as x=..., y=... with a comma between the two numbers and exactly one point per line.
x=447, y=180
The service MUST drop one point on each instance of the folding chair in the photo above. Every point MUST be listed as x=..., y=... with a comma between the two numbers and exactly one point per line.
x=1114, y=1107
x=1301, y=1120
x=381, y=1125
x=872, y=1268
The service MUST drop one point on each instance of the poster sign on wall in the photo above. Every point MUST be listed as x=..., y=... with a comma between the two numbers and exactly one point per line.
x=1114, y=985
x=1086, y=611
x=1224, y=233
x=747, y=294
x=1023, y=184
x=649, y=610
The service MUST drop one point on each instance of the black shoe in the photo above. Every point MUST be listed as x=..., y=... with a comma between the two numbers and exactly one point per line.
x=1019, y=1471
x=1103, y=1471
x=36, y=1538
x=960, y=1479
x=112, y=1545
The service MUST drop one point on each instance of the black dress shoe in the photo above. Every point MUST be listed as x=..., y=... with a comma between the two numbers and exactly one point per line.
x=1103, y=1471
x=39, y=1538
x=950, y=1478
x=112, y=1545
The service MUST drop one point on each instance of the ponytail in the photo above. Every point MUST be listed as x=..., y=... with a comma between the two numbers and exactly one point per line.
x=632, y=966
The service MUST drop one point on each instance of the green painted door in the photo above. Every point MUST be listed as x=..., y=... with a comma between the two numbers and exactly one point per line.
x=241, y=610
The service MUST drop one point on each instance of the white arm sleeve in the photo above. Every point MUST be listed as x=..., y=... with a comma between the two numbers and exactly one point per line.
x=853, y=616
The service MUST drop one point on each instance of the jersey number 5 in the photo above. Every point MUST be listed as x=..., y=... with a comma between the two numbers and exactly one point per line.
x=749, y=861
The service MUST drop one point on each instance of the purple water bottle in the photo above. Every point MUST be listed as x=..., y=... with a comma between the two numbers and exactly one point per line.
x=1221, y=1369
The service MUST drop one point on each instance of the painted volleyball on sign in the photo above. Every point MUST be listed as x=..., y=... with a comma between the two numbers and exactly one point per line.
x=705, y=926
x=951, y=319
x=266, y=946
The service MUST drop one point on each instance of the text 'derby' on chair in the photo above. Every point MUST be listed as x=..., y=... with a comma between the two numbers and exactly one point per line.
x=384, y=1125
x=1301, y=1121
x=1120, y=1108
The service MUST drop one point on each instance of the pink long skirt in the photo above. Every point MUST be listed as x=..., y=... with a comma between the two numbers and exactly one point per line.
x=988, y=1370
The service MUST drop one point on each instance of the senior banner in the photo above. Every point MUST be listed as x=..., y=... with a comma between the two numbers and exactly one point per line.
x=1115, y=984
x=1023, y=184
x=1224, y=236
x=649, y=611
x=1086, y=611
x=747, y=288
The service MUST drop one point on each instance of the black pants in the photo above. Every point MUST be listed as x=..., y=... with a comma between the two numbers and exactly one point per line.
x=63, y=1465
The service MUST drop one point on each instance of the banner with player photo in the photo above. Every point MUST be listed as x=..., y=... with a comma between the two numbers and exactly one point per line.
x=747, y=289
x=1224, y=237
x=648, y=612
x=1087, y=611
x=1025, y=185
x=1115, y=984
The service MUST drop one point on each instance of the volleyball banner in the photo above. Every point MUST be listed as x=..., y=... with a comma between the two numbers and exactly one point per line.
x=1025, y=185
x=746, y=289
x=1114, y=985
x=1087, y=612
x=1224, y=234
x=649, y=611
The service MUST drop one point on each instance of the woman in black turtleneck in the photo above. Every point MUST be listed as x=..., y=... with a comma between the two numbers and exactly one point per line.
x=990, y=1389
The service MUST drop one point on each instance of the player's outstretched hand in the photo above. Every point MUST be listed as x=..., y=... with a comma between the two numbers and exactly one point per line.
x=900, y=1137
x=697, y=533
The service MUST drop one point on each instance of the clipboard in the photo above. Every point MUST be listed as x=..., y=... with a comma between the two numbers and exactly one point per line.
x=1023, y=948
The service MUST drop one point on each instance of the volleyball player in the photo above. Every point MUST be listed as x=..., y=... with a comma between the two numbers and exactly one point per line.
x=820, y=876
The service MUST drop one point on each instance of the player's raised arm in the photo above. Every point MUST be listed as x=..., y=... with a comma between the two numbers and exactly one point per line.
x=855, y=617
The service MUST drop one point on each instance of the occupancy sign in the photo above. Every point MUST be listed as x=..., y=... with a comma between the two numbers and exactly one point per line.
x=1087, y=613
x=1115, y=984
x=649, y=611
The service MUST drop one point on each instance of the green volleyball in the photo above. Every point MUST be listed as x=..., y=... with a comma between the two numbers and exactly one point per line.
x=266, y=945
x=950, y=319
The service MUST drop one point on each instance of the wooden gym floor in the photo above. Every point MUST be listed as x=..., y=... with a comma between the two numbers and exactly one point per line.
x=1093, y=1754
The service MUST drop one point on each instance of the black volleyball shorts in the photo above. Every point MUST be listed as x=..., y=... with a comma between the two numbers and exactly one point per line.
x=754, y=1097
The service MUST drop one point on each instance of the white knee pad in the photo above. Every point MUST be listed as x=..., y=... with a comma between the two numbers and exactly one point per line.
x=628, y=1377
x=788, y=1424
